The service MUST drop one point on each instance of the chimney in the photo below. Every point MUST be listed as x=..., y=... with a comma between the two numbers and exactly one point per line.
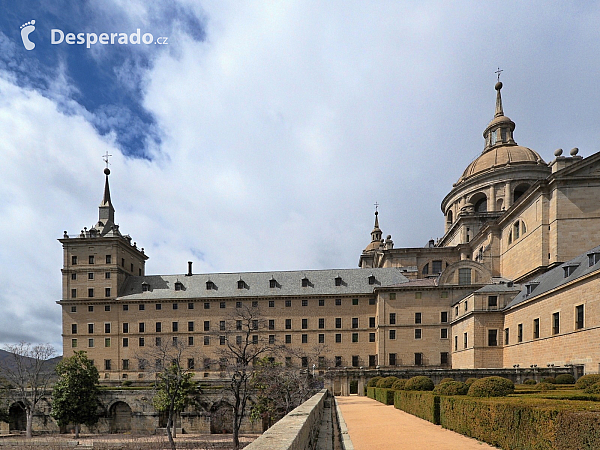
x=189, y=274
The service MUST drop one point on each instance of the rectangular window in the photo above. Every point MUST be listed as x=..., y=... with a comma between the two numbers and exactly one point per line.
x=321, y=338
x=125, y=342
x=238, y=325
x=158, y=341
x=74, y=343
x=206, y=340
x=466, y=305
x=288, y=324
x=418, y=317
x=271, y=324
x=444, y=333
x=222, y=305
x=492, y=338
x=492, y=301
x=106, y=307
x=221, y=340
x=443, y=358
x=90, y=328
x=271, y=303
x=304, y=324
x=107, y=342
x=91, y=259
x=255, y=339
x=338, y=361
x=73, y=328
x=107, y=327
x=90, y=343
x=73, y=293
x=191, y=326
x=141, y=307
x=372, y=301
x=355, y=301
x=355, y=322
x=107, y=275
x=465, y=340
x=579, y=314
x=536, y=328
x=190, y=305
x=355, y=360
x=159, y=327
x=90, y=292
x=321, y=302
x=90, y=308
x=392, y=318
x=304, y=302
x=107, y=292
x=90, y=275
x=444, y=317
x=338, y=302
x=418, y=295
x=142, y=342
x=158, y=306
x=190, y=341
x=175, y=327
x=392, y=334
x=354, y=337
x=338, y=338
x=464, y=276
x=73, y=309
x=418, y=359
x=125, y=307
x=305, y=338
x=108, y=259
x=455, y=343
x=520, y=332
x=321, y=323
x=107, y=364
x=436, y=267
x=338, y=322
x=456, y=311
x=288, y=338
x=418, y=333
x=288, y=303
x=555, y=323
x=271, y=339
x=207, y=325
x=371, y=322
x=141, y=327
x=206, y=305
x=190, y=363
x=392, y=358
x=74, y=260
x=506, y=336
x=371, y=337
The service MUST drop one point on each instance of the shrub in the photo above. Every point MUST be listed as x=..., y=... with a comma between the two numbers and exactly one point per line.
x=385, y=396
x=587, y=380
x=126, y=383
x=491, y=387
x=445, y=380
x=419, y=383
x=373, y=382
x=529, y=381
x=470, y=381
x=425, y=405
x=549, y=380
x=386, y=382
x=593, y=388
x=544, y=386
x=398, y=385
x=565, y=378
x=451, y=388
x=371, y=392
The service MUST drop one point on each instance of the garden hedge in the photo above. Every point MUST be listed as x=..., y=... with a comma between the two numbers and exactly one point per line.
x=423, y=404
x=385, y=396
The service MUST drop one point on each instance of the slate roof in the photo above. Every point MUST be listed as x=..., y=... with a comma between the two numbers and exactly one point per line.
x=556, y=277
x=257, y=284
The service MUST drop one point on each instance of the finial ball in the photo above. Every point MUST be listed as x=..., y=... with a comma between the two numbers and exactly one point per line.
x=558, y=152
x=574, y=151
x=107, y=171
x=498, y=85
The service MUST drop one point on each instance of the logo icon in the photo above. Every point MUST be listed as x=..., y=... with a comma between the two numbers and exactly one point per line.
x=26, y=30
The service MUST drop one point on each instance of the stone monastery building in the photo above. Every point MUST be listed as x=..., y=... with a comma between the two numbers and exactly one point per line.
x=513, y=282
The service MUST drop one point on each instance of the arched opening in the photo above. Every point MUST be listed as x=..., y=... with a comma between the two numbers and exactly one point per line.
x=449, y=217
x=499, y=204
x=519, y=191
x=221, y=418
x=479, y=202
x=17, y=417
x=120, y=418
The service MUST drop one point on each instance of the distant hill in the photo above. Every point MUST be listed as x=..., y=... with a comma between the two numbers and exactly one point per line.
x=7, y=361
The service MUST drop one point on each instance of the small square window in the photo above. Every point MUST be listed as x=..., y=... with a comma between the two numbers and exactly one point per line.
x=90, y=308
x=338, y=302
x=288, y=303
x=106, y=307
x=372, y=301
x=271, y=303
x=255, y=303
x=206, y=305
x=238, y=304
x=222, y=305
x=73, y=276
x=73, y=309
x=418, y=295
x=158, y=306
x=392, y=296
x=354, y=302
x=304, y=302
x=175, y=305
x=190, y=305
x=141, y=307
x=125, y=307
x=492, y=301
x=321, y=302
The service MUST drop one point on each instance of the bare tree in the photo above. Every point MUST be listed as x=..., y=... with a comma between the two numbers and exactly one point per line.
x=28, y=373
x=172, y=364
x=243, y=341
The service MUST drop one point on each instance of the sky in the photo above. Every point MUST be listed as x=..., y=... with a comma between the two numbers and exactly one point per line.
x=252, y=136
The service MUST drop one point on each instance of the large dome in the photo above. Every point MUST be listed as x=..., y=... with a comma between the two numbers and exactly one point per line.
x=500, y=157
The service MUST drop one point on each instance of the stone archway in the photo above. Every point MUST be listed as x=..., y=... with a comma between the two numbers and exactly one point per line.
x=221, y=418
x=17, y=417
x=120, y=417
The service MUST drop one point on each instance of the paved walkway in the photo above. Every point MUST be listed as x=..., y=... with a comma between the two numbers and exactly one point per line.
x=375, y=426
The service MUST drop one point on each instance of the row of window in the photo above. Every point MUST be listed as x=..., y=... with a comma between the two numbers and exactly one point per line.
x=207, y=305
x=492, y=304
x=108, y=259
x=90, y=276
x=91, y=293
x=419, y=318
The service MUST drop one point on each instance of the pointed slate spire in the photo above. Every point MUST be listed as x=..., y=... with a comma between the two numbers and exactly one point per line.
x=106, y=212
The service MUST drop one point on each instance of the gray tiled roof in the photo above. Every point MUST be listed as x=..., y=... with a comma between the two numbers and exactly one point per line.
x=556, y=277
x=289, y=283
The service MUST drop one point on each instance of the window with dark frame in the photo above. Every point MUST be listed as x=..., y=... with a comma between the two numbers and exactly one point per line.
x=579, y=316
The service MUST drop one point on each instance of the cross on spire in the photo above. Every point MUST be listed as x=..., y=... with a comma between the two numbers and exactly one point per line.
x=376, y=206
x=498, y=72
x=105, y=158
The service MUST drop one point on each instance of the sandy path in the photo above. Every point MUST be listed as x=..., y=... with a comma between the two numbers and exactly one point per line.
x=375, y=426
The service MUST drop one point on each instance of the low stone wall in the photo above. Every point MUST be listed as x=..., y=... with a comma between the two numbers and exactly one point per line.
x=296, y=431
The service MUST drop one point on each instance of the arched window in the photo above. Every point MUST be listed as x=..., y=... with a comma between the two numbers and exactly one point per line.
x=519, y=191
x=481, y=205
x=449, y=217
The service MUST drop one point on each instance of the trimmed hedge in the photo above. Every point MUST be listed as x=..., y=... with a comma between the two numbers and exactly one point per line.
x=373, y=382
x=565, y=378
x=549, y=380
x=385, y=396
x=529, y=381
x=593, y=388
x=470, y=381
x=545, y=386
x=587, y=380
x=419, y=383
x=451, y=388
x=386, y=382
x=425, y=405
x=445, y=380
x=491, y=387
x=371, y=392
x=399, y=384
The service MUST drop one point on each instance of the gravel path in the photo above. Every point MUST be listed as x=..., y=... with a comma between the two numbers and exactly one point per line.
x=375, y=426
